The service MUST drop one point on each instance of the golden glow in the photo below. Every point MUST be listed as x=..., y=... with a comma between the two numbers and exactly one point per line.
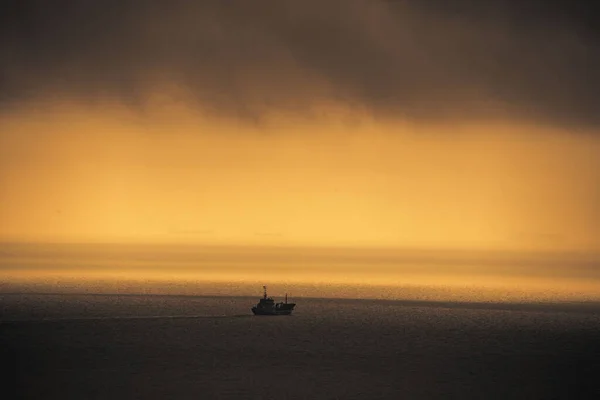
x=98, y=177
x=87, y=174
x=360, y=284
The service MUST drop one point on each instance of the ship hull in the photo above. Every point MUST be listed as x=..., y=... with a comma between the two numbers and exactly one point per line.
x=282, y=309
x=271, y=312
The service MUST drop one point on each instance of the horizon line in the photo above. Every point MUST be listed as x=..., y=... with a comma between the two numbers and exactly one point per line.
x=423, y=302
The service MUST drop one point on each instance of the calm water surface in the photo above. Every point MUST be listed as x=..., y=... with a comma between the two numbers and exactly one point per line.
x=99, y=347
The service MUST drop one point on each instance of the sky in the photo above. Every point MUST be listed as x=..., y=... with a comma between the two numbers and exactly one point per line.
x=463, y=125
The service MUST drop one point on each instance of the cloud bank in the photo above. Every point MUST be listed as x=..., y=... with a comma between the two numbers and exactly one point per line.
x=422, y=60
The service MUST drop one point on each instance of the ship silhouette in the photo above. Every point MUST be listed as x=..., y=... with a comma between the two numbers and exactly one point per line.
x=267, y=306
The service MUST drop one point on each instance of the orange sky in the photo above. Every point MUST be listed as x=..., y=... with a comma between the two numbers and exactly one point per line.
x=71, y=173
x=478, y=211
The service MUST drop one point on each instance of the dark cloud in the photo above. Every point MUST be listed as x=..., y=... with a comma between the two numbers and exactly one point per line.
x=419, y=59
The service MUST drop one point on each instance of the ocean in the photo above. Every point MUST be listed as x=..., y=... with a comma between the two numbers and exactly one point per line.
x=70, y=346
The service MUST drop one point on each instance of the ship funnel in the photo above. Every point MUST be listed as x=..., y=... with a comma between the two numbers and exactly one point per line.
x=265, y=292
x=286, y=298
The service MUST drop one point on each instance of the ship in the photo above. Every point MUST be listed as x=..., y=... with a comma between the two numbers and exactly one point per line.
x=267, y=306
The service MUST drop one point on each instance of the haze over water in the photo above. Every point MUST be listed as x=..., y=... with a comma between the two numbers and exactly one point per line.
x=304, y=271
